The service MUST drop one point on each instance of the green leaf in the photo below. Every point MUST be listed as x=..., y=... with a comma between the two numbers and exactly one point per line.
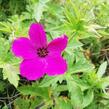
x=63, y=103
x=82, y=66
x=39, y=9
x=76, y=93
x=4, y=49
x=88, y=98
x=11, y=73
x=73, y=44
x=102, y=69
x=26, y=102
x=76, y=96
x=48, y=80
x=5, y=27
x=61, y=88
x=21, y=103
x=35, y=90
x=103, y=83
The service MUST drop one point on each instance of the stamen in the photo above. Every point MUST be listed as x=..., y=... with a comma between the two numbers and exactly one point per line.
x=42, y=52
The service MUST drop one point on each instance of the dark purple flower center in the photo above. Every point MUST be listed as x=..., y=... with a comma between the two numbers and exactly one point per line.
x=42, y=52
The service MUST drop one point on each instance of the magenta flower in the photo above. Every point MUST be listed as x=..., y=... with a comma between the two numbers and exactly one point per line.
x=40, y=57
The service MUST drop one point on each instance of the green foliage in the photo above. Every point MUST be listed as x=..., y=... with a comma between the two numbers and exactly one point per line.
x=35, y=90
x=76, y=94
x=63, y=103
x=25, y=103
x=88, y=98
x=2, y=85
x=85, y=84
x=102, y=69
x=11, y=73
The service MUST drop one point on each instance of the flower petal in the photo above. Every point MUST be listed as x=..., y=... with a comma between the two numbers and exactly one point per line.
x=56, y=65
x=37, y=35
x=32, y=69
x=22, y=47
x=58, y=44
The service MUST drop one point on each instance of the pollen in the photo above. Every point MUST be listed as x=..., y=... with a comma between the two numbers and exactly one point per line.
x=42, y=52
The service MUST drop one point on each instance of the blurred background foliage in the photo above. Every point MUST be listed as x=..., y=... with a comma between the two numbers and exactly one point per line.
x=85, y=85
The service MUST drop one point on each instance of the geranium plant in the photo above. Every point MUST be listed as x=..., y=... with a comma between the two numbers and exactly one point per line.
x=54, y=54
